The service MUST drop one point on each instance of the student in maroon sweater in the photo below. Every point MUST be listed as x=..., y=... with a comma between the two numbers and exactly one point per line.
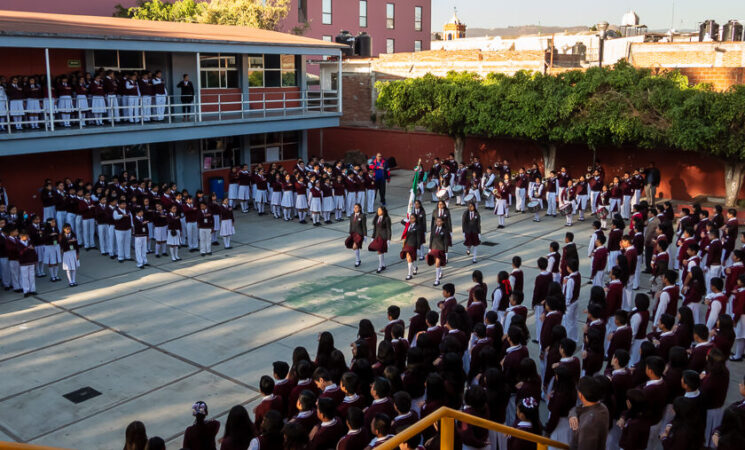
x=655, y=392
x=350, y=382
x=514, y=355
x=330, y=430
x=382, y=404
x=269, y=402
x=700, y=349
x=418, y=321
x=405, y=416
x=561, y=400
x=666, y=339
x=357, y=437
x=282, y=384
x=620, y=339
x=327, y=387
x=634, y=424
x=393, y=318
x=714, y=384
x=306, y=416
x=202, y=434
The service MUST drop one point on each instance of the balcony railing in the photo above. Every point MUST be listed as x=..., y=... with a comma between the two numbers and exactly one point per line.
x=156, y=111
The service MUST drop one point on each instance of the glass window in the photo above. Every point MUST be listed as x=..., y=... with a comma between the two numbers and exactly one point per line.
x=417, y=18
x=326, y=12
x=218, y=70
x=389, y=45
x=302, y=11
x=134, y=158
x=273, y=71
x=417, y=46
x=220, y=153
x=327, y=38
x=363, y=13
x=390, y=10
x=287, y=143
x=105, y=58
x=119, y=59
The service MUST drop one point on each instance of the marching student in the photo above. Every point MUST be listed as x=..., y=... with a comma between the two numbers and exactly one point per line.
x=442, y=212
x=123, y=232
x=173, y=239
x=27, y=259
x=227, y=227
x=536, y=195
x=420, y=216
x=70, y=253
x=52, y=253
x=501, y=207
x=438, y=247
x=316, y=203
x=412, y=243
x=471, y=225
x=381, y=236
x=487, y=184
x=205, y=225
x=357, y=232
x=140, y=233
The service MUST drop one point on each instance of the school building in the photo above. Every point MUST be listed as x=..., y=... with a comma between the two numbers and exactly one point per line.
x=253, y=101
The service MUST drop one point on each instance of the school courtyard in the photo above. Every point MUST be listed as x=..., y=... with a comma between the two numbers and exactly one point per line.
x=129, y=344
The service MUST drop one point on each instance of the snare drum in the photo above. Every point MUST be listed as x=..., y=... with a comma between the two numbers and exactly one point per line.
x=443, y=194
x=469, y=198
x=430, y=186
x=566, y=209
x=457, y=189
x=602, y=212
x=486, y=194
x=533, y=206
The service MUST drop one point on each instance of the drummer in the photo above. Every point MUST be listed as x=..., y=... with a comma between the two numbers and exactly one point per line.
x=434, y=176
x=501, y=192
x=473, y=193
x=445, y=193
x=567, y=205
x=535, y=197
x=461, y=184
x=487, y=184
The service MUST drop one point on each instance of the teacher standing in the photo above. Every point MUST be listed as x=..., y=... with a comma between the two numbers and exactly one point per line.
x=379, y=167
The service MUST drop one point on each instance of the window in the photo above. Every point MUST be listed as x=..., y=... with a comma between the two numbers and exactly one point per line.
x=363, y=13
x=417, y=18
x=220, y=153
x=327, y=38
x=272, y=70
x=326, y=12
x=390, y=10
x=134, y=159
x=417, y=46
x=269, y=147
x=119, y=59
x=389, y=45
x=302, y=11
x=218, y=70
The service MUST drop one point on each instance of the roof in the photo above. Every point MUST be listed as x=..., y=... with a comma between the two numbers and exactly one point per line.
x=34, y=24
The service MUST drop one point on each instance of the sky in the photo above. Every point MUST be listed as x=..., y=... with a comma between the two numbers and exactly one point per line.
x=656, y=14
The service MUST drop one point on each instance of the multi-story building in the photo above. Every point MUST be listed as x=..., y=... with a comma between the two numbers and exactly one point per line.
x=394, y=25
x=252, y=101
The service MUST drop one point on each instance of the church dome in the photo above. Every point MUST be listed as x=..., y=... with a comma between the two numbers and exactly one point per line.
x=630, y=19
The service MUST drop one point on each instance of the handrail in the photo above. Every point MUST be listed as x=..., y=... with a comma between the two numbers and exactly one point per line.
x=19, y=446
x=447, y=417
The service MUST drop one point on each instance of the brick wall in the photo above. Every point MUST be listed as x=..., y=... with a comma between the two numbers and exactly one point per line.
x=357, y=97
x=719, y=77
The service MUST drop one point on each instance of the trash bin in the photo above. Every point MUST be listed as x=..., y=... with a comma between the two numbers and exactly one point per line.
x=217, y=185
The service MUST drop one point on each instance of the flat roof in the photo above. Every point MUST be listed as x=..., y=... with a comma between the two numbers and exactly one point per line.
x=67, y=26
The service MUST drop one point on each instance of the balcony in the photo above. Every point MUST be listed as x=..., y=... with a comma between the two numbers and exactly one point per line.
x=139, y=122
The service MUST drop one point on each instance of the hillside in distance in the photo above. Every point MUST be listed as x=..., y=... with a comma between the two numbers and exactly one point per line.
x=513, y=31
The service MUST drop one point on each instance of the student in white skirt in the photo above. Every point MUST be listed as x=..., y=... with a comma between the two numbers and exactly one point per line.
x=64, y=102
x=328, y=200
x=81, y=100
x=501, y=203
x=288, y=189
x=276, y=197
x=52, y=253
x=160, y=229
x=301, y=202
x=316, y=203
x=233, y=186
x=561, y=400
x=535, y=194
x=36, y=236
x=260, y=190
x=173, y=238
x=70, y=253
x=16, y=105
x=33, y=105
x=3, y=102
x=227, y=227
x=98, y=102
x=339, y=201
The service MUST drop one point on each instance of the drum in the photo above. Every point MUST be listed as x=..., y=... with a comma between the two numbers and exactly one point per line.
x=602, y=212
x=443, y=194
x=469, y=198
x=486, y=194
x=457, y=189
x=533, y=206
x=430, y=186
x=566, y=209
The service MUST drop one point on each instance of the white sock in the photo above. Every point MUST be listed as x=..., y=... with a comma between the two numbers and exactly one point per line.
x=381, y=263
x=71, y=274
x=226, y=241
x=411, y=267
x=438, y=273
x=474, y=252
x=739, y=347
x=357, y=255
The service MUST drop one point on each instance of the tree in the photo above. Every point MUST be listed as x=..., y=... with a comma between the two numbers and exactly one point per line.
x=266, y=14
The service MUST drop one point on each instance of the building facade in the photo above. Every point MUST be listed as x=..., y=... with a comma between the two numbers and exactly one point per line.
x=394, y=25
x=252, y=102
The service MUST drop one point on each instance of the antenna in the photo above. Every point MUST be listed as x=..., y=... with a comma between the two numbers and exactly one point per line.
x=672, y=18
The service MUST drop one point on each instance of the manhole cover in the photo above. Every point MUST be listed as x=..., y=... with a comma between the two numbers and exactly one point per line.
x=82, y=394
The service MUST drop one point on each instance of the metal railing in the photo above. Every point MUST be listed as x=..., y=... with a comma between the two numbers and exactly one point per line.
x=118, y=111
x=447, y=417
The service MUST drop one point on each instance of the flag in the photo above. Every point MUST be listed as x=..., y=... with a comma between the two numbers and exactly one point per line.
x=412, y=198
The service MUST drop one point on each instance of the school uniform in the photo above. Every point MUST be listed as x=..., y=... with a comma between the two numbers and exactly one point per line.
x=87, y=212
x=554, y=264
x=33, y=94
x=98, y=102
x=244, y=189
x=327, y=202
x=438, y=246
x=27, y=259
x=667, y=303
x=70, y=261
x=487, y=185
x=3, y=105
x=535, y=194
x=382, y=405
x=64, y=102
x=515, y=443
x=613, y=298
x=339, y=191
x=599, y=262
x=552, y=191
x=540, y=290
x=471, y=226
x=714, y=394
x=260, y=184
x=570, y=289
x=123, y=233
x=16, y=104
x=161, y=97
x=81, y=101
x=140, y=233
x=713, y=263
x=354, y=440
x=146, y=93
x=52, y=253
x=501, y=207
x=738, y=313
x=205, y=225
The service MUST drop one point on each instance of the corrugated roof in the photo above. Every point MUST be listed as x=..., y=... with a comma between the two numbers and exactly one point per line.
x=22, y=23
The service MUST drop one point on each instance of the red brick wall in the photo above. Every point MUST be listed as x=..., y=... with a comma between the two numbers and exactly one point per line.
x=685, y=175
x=719, y=77
x=23, y=176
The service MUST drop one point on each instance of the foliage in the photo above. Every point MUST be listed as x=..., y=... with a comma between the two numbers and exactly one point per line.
x=266, y=14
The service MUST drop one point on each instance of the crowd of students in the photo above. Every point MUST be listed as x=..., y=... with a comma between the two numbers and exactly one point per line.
x=85, y=98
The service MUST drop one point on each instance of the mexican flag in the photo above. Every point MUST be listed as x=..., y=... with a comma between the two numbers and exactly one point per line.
x=412, y=196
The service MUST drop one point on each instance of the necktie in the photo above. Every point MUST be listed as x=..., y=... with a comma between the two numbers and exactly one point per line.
x=471, y=216
x=438, y=230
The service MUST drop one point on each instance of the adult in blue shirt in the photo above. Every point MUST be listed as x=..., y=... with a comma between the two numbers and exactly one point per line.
x=379, y=167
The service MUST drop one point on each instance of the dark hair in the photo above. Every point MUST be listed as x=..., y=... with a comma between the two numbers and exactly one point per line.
x=542, y=263
x=327, y=407
x=355, y=418
x=135, y=436
x=589, y=388
x=266, y=385
x=394, y=311
x=281, y=369
x=623, y=357
x=381, y=423
x=638, y=403
x=366, y=329
x=421, y=306
x=295, y=436
x=432, y=317
x=449, y=288
x=402, y=400
x=157, y=443
x=477, y=276
x=667, y=320
x=517, y=261
x=655, y=364
x=238, y=427
x=701, y=330
x=568, y=345
x=382, y=387
x=691, y=379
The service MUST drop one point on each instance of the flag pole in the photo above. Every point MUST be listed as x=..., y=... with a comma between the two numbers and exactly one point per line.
x=412, y=196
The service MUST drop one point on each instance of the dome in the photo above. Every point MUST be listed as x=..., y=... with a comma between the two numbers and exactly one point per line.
x=630, y=19
x=455, y=20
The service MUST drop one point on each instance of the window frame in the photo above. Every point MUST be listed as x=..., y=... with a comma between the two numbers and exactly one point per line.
x=302, y=11
x=418, y=18
x=327, y=15
x=222, y=70
x=392, y=43
x=280, y=69
x=118, y=66
x=363, y=18
x=415, y=46
x=390, y=20
x=231, y=144
x=132, y=159
x=284, y=141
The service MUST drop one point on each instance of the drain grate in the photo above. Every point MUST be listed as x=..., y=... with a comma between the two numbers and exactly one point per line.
x=489, y=244
x=82, y=395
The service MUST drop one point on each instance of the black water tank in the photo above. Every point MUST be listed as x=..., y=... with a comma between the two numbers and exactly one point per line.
x=732, y=31
x=363, y=45
x=710, y=28
x=346, y=38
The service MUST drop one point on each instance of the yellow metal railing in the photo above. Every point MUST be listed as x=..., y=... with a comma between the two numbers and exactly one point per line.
x=447, y=418
x=19, y=446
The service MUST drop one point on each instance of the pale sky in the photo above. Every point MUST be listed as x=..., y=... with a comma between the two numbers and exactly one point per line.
x=656, y=14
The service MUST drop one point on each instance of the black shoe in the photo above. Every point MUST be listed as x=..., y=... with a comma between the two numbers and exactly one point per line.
x=157, y=256
x=500, y=226
x=535, y=341
x=33, y=293
x=436, y=283
x=112, y=257
x=468, y=252
x=416, y=269
x=140, y=267
x=379, y=270
x=121, y=261
x=732, y=358
x=408, y=277
x=303, y=222
x=27, y=294
x=192, y=250
x=209, y=254
x=357, y=263
x=202, y=254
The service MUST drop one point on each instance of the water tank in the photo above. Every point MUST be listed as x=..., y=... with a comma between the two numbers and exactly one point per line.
x=732, y=31
x=708, y=31
x=363, y=45
x=346, y=38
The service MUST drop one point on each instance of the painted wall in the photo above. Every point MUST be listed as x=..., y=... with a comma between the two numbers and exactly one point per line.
x=87, y=7
x=24, y=176
x=684, y=175
x=31, y=61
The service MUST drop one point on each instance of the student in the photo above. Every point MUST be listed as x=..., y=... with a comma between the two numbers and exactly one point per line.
x=269, y=402
x=123, y=231
x=540, y=290
x=638, y=321
x=471, y=224
x=561, y=400
x=227, y=227
x=327, y=193
x=438, y=246
x=502, y=196
x=357, y=232
x=571, y=285
x=527, y=419
x=501, y=295
x=205, y=225
x=593, y=237
x=716, y=303
x=382, y=404
x=516, y=308
x=173, y=237
x=70, y=253
x=315, y=198
x=516, y=276
x=634, y=424
x=714, y=385
x=301, y=199
x=554, y=261
x=330, y=430
x=667, y=298
x=260, y=185
x=381, y=237
x=357, y=437
x=411, y=244
x=656, y=394
x=27, y=259
x=599, y=261
x=139, y=231
x=271, y=433
x=536, y=195
x=589, y=421
x=738, y=312
x=52, y=252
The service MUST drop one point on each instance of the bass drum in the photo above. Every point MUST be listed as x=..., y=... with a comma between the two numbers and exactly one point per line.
x=469, y=198
x=443, y=194
x=486, y=194
x=430, y=186
x=457, y=189
x=533, y=206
